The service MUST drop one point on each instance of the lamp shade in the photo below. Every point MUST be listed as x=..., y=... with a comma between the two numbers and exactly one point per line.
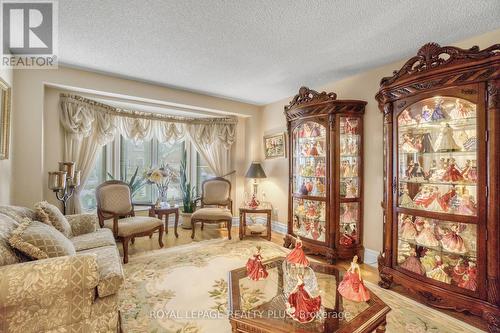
x=255, y=171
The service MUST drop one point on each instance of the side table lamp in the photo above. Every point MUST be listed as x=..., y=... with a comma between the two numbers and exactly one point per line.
x=64, y=182
x=255, y=172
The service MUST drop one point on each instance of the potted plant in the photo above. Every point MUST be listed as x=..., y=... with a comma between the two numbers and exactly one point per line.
x=135, y=183
x=188, y=193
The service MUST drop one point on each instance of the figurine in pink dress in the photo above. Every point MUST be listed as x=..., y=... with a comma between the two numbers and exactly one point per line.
x=320, y=169
x=446, y=199
x=427, y=237
x=452, y=241
x=408, y=230
x=352, y=286
x=301, y=306
x=412, y=263
x=467, y=205
x=255, y=269
x=348, y=216
x=297, y=257
x=405, y=118
x=469, y=279
x=470, y=171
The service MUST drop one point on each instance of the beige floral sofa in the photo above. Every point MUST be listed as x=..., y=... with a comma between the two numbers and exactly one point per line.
x=77, y=293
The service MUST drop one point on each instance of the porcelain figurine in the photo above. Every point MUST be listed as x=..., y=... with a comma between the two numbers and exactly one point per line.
x=351, y=190
x=352, y=286
x=407, y=146
x=459, y=111
x=346, y=240
x=315, y=131
x=307, y=170
x=427, y=146
x=313, y=151
x=445, y=140
x=467, y=205
x=412, y=264
x=405, y=199
x=434, y=203
x=470, y=171
x=405, y=118
x=452, y=173
x=303, y=189
x=429, y=260
x=439, y=113
x=320, y=169
x=427, y=237
x=408, y=230
x=417, y=172
x=320, y=187
x=446, y=199
x=458, y=271
x=255, y=269
x=297, y=257
x=439, y=272
x=438, y=174
x=469, y=279
x=426, y=113
x=452, y=241
x=301, y=306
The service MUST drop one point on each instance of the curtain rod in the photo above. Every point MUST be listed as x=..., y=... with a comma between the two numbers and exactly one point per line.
x=144, y=115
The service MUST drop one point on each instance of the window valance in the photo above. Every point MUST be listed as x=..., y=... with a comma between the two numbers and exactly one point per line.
x=82, y=117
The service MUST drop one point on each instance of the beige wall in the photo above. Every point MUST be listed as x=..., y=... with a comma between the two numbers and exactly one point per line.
x=6, y=165
x=363, y=86
x=38, y=138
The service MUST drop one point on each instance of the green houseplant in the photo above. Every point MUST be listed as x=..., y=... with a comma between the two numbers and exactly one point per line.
x=188, y=192
x=135, y=183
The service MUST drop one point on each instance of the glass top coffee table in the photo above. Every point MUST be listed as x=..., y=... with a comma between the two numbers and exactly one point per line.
x=259, y=306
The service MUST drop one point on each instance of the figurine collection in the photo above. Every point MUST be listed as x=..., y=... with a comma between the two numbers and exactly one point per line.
x=309, y=218
x=438, y=250
x=352, y=286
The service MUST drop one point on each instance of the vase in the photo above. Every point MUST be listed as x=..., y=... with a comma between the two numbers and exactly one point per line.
x=186, y=220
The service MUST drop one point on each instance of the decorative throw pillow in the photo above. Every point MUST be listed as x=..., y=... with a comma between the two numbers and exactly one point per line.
x=51, y=215
x=40, y=241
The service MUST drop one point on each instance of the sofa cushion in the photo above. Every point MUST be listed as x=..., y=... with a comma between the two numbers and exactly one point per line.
x=18, y=213
x=40, y=241
x=51, y=215
x=7, y=255
x=109, y=268
x=101, y=237
x=135, y=224
x=212, y=214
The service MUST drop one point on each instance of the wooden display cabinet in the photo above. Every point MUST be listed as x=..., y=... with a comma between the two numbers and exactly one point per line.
x=326, y=174
x=441, y=174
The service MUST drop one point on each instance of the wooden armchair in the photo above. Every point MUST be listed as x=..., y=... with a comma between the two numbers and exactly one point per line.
x=116, y=212
x=215, y=192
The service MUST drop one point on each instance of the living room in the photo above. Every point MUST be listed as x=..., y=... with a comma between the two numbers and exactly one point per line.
x=264, y=167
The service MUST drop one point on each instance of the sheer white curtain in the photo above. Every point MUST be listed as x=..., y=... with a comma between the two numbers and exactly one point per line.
x=89, y=125
x=213, y=142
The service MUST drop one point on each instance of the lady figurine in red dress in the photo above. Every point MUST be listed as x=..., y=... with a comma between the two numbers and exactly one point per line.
x=255, y=269
x=301, y=306
x=352, y=287
x=297, y=257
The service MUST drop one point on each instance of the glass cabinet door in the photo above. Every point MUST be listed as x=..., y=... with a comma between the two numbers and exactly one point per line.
x=309, y=166
x=437, y=172
x=349, y=178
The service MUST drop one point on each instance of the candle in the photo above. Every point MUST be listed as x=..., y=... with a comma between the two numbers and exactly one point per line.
x=75, y=182
x=57, y=180
x=69, y=167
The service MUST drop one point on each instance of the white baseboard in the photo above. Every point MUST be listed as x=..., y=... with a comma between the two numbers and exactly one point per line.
x=371, y=257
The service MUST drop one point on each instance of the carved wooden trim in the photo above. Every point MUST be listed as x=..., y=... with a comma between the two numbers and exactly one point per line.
x=432, y=55
x=387, y=109
x=493, y=95
x=306, y=96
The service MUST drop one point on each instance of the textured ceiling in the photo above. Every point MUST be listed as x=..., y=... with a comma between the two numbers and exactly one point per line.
x=253, y=50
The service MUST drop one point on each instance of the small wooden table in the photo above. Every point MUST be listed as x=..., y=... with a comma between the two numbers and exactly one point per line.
x=264, y=209
x=160, y=212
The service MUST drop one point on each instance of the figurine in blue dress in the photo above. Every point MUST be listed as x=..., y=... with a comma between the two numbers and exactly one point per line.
x=438, y=113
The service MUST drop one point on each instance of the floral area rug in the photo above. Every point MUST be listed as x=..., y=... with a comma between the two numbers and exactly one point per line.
x=184, y=290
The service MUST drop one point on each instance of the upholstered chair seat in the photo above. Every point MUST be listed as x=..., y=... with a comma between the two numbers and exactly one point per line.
x=216, y=194
x=116, y=212
x=210, y=214
x=133, y=225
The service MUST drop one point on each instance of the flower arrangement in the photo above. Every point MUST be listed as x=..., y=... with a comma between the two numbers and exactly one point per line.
x=161, y=177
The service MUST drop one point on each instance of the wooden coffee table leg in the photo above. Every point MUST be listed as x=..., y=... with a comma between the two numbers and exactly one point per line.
x=381, y=328
x=176, y=223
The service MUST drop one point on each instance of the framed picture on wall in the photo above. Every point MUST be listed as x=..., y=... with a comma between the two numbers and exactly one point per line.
x=275, y=145
x=4, y=119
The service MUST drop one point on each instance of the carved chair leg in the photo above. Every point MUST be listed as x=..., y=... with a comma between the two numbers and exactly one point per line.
x=150, y=236
x=132, y=240
x=202, y=225
x=125, y=241
x=160, y=235
x=193, y=226
x=229, y=226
